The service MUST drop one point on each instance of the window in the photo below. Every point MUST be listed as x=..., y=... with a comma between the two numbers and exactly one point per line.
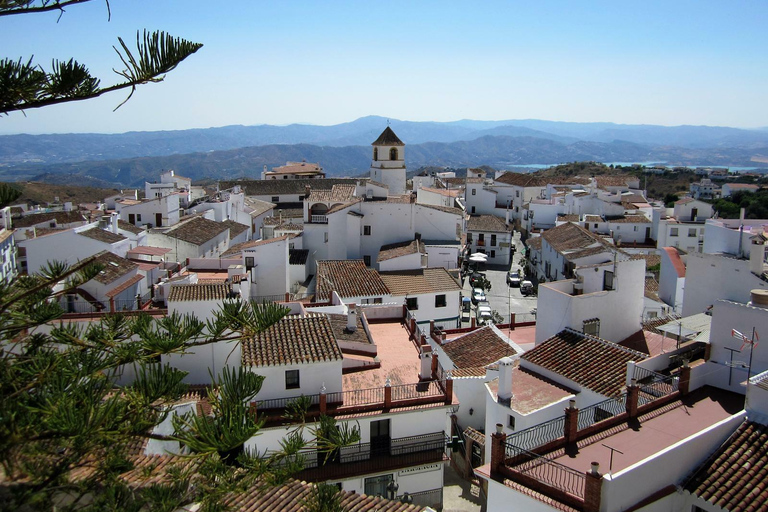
x=440, y=301
x=249, y=263
x=138, y=217
x=367, y=230
x=608, y=280
x=375, y=154
x=474, y=191
x=292, y=379
x=591, y=327
x=692, y=232
x=635, y=228
x=285, y=177
x=377, y=485
x=325, y=237
x=412, y=303
x=275, y=199
x=377, y=300
x=511, y=422
x=673, y=232
x=493, y=253
x=367, y=260
x=473, y=208
x=469, y=238
x=393, y=154
x=595, y=225
x=493, y=240
x=517, y=193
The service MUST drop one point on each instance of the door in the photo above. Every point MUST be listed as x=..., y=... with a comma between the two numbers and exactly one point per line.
x=694, y=214
x=159, y=220
x=132, y=218
x=380, y=439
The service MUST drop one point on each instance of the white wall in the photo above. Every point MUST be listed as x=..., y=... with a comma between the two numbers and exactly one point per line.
x=445, y=317
x=312, y=377
x=270, y=276
x=443, y=256
x=67, y=246
x=670, y=285
x=407, y=262
x=710, y=277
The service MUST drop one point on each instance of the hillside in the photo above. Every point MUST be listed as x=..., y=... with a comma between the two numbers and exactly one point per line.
x=43, y=193
x=69, y=148
x=496, y=151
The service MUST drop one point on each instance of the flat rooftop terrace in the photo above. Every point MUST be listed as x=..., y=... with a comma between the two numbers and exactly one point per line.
x=656, y=431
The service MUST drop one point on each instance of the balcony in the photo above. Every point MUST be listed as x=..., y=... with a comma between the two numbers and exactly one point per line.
x=365, y=458
x=480, y=243
x=318, y=219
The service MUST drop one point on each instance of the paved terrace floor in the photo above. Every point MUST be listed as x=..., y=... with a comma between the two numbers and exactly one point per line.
x=398, y=355
x=658, y=430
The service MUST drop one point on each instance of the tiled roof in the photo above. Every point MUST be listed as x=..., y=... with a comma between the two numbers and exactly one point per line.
x=626, y=219
x=250, y=244
x=486, y=223
x=734, y=477
x=286, y=187
x=520, y=179
x=37, y=218
x=197, y=231
x=127, y=226
x=349, y=278
x=418, y=281
x=289, y=226
x=570, y=237
x=387, y=138
x=478, y=348
x=297, y=167
x=343, y=206
x=298, y=256
x=389, y=251
x=534, y=243
x=102, y=235
x=337, y=193
x=677, y=262
x=447, y=209
x=293, y=340
x=614, y=180
x=235, y=228
x=594, y=363
x=452, y=192
x=475, y=180
x=568, y=218
x=684, y=200
x=290, y=497
x=115, y=267
x=284, y=215
x=743, y=186
x=257, y=206
x=114, y=292
x=198, y=291
x=339, y=326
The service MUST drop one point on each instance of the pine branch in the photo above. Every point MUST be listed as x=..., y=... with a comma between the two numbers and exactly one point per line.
x=24, y=85
x=12, y=7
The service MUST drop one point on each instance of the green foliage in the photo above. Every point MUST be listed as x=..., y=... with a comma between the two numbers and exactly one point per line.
x=63, y=412
x=26, y=85
x=754, y=203
x=482, y=282
x=323, y=498
x=8, y=193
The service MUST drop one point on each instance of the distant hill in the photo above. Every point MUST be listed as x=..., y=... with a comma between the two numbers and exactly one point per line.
x=499, y=152
x=44, y=193
x=68, y=148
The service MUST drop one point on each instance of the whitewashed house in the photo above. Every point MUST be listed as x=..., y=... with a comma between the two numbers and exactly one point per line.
x=197, y=237
x=154, y=212
x=432, y=295
x=492, y=236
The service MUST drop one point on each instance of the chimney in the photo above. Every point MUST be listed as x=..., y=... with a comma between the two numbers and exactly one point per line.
x=741, y=214
x=506, y=365
x=759, y=298
x=425, y=372
x=757, y=256
x=307, y=191
x=351, y=318
x=507, y=216
x=113, y=222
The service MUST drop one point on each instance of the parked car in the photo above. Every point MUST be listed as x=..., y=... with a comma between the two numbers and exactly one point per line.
x=484, y=313
x=526, y=288
x=513, y=278
x=474, y=277
x=478, y=295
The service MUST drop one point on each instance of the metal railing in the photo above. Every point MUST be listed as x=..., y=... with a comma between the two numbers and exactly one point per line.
x=318, y=219
x=538, y=435
x=357, y=397
x=548, y=471
x=600, y=411
x=655, y=384
x=420, y=390
x=432, y=498
x=282, y=403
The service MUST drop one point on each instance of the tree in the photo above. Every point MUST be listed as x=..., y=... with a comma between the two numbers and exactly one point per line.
x=69, y=433
x=26, y=85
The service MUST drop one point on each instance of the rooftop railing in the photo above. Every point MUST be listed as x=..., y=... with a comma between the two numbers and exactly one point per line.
x=548, y=472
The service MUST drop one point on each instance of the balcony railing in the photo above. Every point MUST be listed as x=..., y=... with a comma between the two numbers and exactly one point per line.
x=365, y=458
x=536, y=436
x=318, y=219
x=655, y=384
x=480, y=243
x=602, y=411
x=548, y=472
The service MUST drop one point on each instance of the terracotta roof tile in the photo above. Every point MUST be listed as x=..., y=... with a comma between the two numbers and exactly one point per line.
x=487, y=223
x=59, y=217
x=419, y=281
x=349, y=278
x=257, y=206
x=339, y=326
x=235, y=228
x=293, y=340
x=115, y=267
x=127, y=226
x=102, y=235
x=637, y=219
x=198, y=291
x=570, y=237
x=389, y=251
x=337, y=193
x=477, y=348
x=387, y=138
x=197, y=231
x=447, y=209
x=734, y=477
x=594, y=363
x=568, y=218
x=297, y=168
x=286, y=187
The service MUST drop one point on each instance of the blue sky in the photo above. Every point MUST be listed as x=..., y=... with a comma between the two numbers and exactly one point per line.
x=668, y=63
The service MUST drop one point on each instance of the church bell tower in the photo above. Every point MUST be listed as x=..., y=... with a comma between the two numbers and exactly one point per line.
x=388, y=164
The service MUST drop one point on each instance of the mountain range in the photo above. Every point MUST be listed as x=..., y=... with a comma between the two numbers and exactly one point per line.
x=129, y=159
